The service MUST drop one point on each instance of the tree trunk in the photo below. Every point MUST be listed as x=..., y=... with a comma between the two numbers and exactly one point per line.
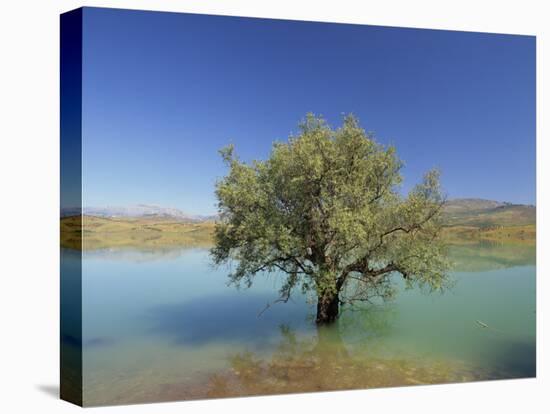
x=328, y=305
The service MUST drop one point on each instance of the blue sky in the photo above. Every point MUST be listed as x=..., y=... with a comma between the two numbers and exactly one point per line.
x=162, y=92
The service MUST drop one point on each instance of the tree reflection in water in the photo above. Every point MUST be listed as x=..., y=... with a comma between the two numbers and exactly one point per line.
x=324, y=363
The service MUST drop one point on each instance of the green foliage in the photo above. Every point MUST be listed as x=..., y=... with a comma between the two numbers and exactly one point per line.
x=324, y=209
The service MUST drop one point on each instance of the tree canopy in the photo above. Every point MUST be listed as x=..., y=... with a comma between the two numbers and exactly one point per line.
x=325, y=211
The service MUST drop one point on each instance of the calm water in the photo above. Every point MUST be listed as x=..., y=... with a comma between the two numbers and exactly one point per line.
x=163, y=325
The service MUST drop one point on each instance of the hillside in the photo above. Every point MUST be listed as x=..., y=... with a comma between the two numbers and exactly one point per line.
x=487, y=213
x=465, y=205
x=137, y=211
x=467, y=221
x=102, y=232
x=477, y=219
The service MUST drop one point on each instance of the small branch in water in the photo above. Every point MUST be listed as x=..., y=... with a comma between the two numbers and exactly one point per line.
x=482, y=324
x=284, y=299
x=485, y=326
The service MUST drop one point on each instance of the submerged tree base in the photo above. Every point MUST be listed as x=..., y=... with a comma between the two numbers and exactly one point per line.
x=328, y=307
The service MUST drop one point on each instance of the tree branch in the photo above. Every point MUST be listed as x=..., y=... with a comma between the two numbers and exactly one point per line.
x=282, y=299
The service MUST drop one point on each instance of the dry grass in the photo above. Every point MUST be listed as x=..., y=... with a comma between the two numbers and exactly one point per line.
x=507, y=216
x=91, y=232
x=525, y=234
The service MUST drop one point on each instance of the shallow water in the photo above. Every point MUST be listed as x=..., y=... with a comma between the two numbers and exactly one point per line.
x=163, y=325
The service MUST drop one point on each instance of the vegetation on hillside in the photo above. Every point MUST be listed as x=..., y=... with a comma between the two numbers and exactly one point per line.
x=92, y=232
x=476, y=220
x=103, y=232
x=486, y=214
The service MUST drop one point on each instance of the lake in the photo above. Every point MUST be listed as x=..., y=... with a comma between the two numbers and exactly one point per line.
x=163, y=324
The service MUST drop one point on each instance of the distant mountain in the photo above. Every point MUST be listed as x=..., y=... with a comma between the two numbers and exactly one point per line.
x=473, y=212
x=487, y=213
x=138, y=211
x=463, y=205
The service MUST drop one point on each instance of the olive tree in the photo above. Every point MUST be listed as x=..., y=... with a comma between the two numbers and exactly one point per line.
x=325, y=211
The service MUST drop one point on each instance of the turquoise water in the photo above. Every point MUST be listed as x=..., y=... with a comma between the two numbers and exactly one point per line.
x=163, y=325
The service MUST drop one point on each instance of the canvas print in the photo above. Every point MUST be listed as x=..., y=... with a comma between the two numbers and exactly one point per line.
x=260, y=206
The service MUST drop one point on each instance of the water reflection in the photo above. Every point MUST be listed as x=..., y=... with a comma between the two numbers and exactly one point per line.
x=222, y=318
x=486, y=255
x=138, y=255
x=163, y=325
x=71, y=325
x=473, y=257
x=99, y=341
x=516, y=359
x=324, y=362
x=367, y=322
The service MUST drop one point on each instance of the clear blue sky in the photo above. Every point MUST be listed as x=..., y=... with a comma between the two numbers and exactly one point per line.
x=162, y=92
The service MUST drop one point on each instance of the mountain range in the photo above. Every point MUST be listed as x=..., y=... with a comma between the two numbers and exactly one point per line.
x=138, y=211
x=473, y=212
x=481, y=213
